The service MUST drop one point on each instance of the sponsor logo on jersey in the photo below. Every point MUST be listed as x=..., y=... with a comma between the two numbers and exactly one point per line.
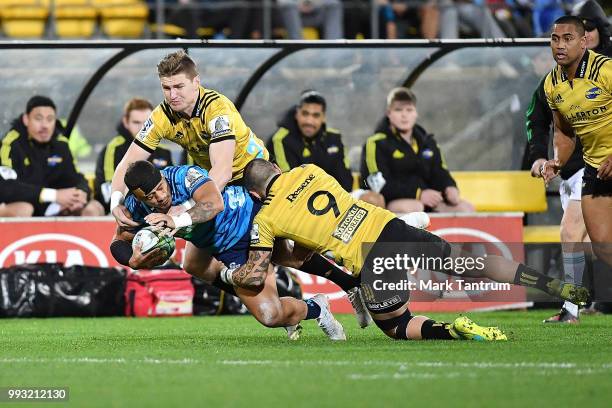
x=146, y=129
x=592, y=93
x=219, y=126
x=558, y=98
x=179, y=135
x=333, y=149
x=427, y=154
x=192, y=177
x=398, y=155
x=55, y=160
x=579, y=116
x=292, y=197
x=349, y=224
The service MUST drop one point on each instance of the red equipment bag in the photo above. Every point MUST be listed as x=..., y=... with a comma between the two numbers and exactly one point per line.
x=159, y=292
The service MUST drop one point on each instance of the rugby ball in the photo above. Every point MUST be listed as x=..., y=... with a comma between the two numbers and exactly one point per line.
x=151, y=239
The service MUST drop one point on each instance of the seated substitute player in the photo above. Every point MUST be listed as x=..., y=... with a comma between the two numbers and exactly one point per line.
x=311, y=208
x=135, y=113
x=404, y=163
x=219, y=226
x=579, y=93
x=304, y=137
x=39, y=154
x=209, y=127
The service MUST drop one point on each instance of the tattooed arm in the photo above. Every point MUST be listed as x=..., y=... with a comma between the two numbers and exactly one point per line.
x=251, y=275
x=208, y=203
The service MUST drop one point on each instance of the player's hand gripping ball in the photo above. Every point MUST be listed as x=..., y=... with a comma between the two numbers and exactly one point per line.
x=151, y=239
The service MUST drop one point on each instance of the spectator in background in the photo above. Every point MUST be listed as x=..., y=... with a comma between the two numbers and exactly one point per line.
x=228, y=22
x=477, y=17
x=411, y=18
x=15, y=196
x=303, y=137
x=40, y=156
x=404, y=163
x=135, y=113
x=323, y=14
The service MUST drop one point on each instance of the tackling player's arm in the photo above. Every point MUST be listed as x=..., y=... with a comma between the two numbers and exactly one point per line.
x=221, y=160
x=208, y=203
x=252, y=275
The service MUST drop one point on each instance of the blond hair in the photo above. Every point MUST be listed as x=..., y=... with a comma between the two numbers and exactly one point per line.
x=177, y=63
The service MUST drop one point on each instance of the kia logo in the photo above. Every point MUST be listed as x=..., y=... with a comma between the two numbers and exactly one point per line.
x=74, y=255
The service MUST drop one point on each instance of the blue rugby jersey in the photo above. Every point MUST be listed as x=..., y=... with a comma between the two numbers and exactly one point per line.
x=218, y=234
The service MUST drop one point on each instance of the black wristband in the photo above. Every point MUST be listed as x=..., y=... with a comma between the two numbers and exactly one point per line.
x=121, y=251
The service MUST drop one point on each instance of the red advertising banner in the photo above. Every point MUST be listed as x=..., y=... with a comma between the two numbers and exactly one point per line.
x=85, y=241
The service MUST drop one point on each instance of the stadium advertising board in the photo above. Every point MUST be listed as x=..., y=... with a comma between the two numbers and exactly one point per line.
x=78, y=241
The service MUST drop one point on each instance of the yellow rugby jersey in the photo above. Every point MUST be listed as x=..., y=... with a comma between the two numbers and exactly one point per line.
x=310, y=207
x=214, y=119
x=586, y=104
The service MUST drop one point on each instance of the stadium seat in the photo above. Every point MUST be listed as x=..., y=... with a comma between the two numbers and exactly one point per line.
x=74, y=18
x=122, y=18
x=169, y=30
x=502, y=191
x=23, y=18
x=538, y=234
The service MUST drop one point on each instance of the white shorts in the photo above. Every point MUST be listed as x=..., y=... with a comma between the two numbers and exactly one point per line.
x=571, y=189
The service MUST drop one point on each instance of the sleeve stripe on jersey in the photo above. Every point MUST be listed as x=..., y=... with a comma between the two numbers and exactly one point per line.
x=144, y=146
x=208, y=96
x=168, y=113
x=598, y=64
x=553, y=75
x=222, y=138
x=207, y=103
x=258, y=248
x=109, y=157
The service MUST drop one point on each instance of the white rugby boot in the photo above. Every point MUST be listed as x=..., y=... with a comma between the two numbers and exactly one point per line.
x=326, y=320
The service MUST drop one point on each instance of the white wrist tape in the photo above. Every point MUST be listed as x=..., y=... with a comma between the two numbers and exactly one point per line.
x=116, y=199
x=183, y=220
x=356, y=194
x=226, y=275
x=48, y=195
x=188, y=204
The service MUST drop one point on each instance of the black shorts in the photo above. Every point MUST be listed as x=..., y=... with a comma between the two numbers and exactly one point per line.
x=408, y=240
x=591, y=185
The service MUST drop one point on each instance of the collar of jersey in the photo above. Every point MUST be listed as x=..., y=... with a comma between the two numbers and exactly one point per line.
x=580, y=69
x=196, y=108
x=270, y=184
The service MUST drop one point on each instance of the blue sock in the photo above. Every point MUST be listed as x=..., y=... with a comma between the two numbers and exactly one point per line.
x=314, y=310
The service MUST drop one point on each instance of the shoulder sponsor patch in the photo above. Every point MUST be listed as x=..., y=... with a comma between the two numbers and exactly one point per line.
x=146, y=129
x=219, y=126
x=192, y=177
x=349, y=224
x=593, y=93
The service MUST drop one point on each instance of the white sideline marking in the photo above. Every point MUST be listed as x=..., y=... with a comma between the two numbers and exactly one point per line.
x=401, y=367
x=96, y=360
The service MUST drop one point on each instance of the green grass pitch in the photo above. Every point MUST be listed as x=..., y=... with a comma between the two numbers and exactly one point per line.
x=233, y=361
